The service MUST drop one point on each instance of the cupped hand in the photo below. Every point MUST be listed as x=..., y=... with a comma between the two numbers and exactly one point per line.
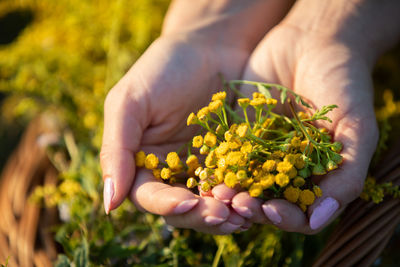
x=324, y=71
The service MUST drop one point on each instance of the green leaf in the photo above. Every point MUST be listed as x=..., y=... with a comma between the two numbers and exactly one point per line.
x=81, y=255
x=283, y=96
x=264, y=90
x=62, y=261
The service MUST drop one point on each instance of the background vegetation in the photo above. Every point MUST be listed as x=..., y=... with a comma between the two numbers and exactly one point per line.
x=61, y=57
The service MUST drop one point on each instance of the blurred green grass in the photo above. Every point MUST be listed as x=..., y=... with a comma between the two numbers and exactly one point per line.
x=62, y=57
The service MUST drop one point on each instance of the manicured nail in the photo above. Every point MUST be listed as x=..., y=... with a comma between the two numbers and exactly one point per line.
x=323, y=212
x=185, y=206
x=243, y=211
x=212, y=220
x=272, y=213
x=225, y=201
x=108, y=194
x=228, y=227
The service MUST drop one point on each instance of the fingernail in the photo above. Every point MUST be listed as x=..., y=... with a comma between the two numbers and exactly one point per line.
x=108, y=194
x=225, y=201
x=272, y=213
x=212, y=220
x=243, y=211
x=323, y=212
x=228, y=227
x=185, y=206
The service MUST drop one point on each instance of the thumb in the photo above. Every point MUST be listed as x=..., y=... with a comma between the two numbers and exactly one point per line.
x=121, y=139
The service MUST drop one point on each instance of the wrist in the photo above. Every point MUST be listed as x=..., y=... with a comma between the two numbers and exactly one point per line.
x=234, y=23
x=366, y=26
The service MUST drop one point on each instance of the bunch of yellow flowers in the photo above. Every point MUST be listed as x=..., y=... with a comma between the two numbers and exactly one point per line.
x=272, y=156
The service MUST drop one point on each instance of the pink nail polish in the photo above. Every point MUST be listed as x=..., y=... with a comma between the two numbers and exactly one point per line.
x=228, y=227
x=212, y=220
x=243, y=211
x=185, y=206
x=323, y=212
x=272, y=213
x=108, y=194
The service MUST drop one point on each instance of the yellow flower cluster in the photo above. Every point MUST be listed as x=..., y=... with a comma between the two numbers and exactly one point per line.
x=270, y=157
x=376, y=192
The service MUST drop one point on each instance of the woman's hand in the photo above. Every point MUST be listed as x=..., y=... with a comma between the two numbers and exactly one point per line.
x=147, y=109
x=324, y=52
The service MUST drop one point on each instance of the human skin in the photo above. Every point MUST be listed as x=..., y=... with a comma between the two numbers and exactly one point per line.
x=325, y=51
x=147, y=109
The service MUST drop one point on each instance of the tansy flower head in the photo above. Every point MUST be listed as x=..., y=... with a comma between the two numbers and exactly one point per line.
x=151, y=161
x=292, y=173
x=305, y=172
x=192, y=119
x=296, y=141
x=272, y=101
x=269, y=165
x=281, y=179
x=140, y=158
x=243, y=102
x=307, y=197
x=166, y=173
x=219, y=175
x=204, y=150
x=157, y=173
x=205, y=186
x=211, y=160
x=191, y=183
x=284, y=167
x=331, y=165
x=230, y=179
x=298, y=181
x=241, y=175
x=222, y=149
x=337, y=147
x=247, y=183
x=203, y=113
x=258, y=95
x=233, y=158
x=221, y=163
x=215, y=106
x=197, y=141
x=292, y=194
x=235, y=143
x=210, y=139
x=246, y=147
x=302, y=115
x=228, y=136
x=242, y=130
x=291, y=158
x=192, y=161
x=267, y=181
x=300, y=163
x=317, y=191
x=258, y=102
x=255, y=190
x=219, y=96
x=204, y=174
x=173, y=161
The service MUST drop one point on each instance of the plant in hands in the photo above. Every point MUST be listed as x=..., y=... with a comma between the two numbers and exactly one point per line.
x=270, y=157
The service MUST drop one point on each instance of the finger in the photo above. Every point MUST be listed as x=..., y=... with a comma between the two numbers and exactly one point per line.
x=122, y=134
x=149, y=194
x=232, y=224
x=249, y=207
x=340, y=187
x=224, y=193
x=205, y=217
x=286, y=216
